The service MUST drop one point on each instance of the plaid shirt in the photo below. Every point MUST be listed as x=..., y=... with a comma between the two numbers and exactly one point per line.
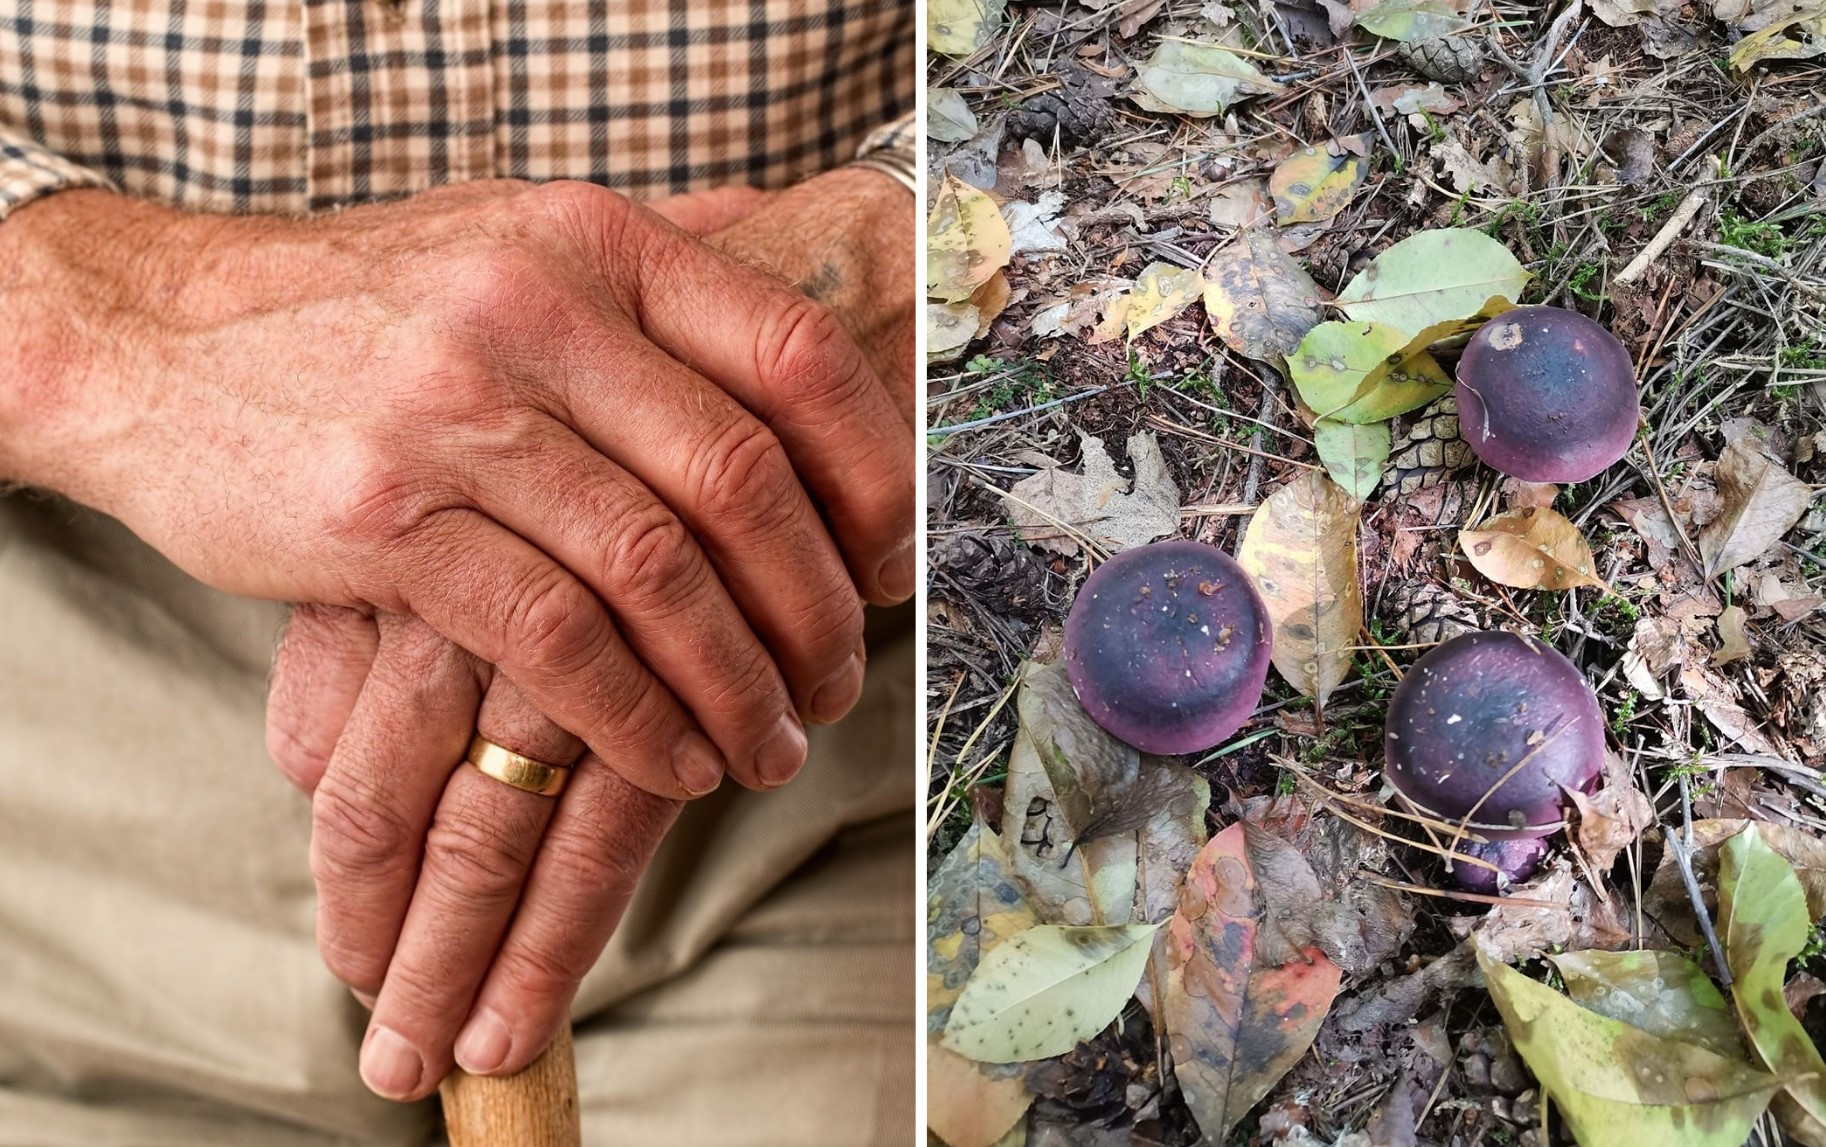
x=307, y=105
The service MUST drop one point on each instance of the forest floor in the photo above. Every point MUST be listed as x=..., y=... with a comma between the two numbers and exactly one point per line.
x=1576, y=138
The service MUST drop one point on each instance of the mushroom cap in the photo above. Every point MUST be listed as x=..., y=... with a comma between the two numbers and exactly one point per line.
x=1519, y=859
x=1167, y=646
x=1547, y=395
x=1474, y=709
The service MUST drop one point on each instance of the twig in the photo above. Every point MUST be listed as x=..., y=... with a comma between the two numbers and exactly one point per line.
x=1681, y=845
x=1004, y=417
x=1375, y=115
x=1473, y=897
x=1670, y=231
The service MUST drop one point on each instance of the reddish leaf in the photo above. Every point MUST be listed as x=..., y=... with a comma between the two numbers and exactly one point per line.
x=1235, y=1027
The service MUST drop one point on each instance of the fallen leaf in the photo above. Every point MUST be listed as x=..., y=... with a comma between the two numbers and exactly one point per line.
x=1733, y=642
x=1610, y=820
x=1064, y=881
x=1625, y=13
x=967, y=241
x=1301, y=550
x=960, y=27
x=949, y=329
x=1762, y=501
x=1099, y=502
x=1161, y=292
x=1410, y=20
x=1408, y=99
x=1562, y=913
x=1800, y=34
x=1043, y=991
x=1313, y=185
x=1235, y=1025
x=949, y=120
x=972, y=906
x=1433, y=277
x=1615, y=1083
x=1196, y=79
x=1032, y=226
x=1467, y=173
x=1260, y=300
x=1763, y=924
x=1354, y=455
x=1335, y=363
x=1394, y=388
x=1663, y=993
x=1530, y=548
x=1288, y=891
x=1170, y=839
x=1091, y=772
x=1241, y=204
x=1666, y=892
x=990, y=300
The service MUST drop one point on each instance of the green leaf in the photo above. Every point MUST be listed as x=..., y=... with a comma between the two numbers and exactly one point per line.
x=960, y=27
x=1433, y=277
x=1617, y=1084
x=1663, y=993
x=1408, y=20
x=1355, y=456
x=1196, y=79
x=1046, y=990
x=1396, y=388
x=1335, y=363
x=1763, y=921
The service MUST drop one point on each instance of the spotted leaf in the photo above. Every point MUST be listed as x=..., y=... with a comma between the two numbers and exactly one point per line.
x=1046, y=990
x=1530, y=548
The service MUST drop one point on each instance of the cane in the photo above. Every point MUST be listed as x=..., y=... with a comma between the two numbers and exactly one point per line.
x=535, y=1108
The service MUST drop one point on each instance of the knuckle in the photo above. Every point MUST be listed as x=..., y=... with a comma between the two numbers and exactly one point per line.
x=541, y=971
x=378, y=502
x=350, y=960
x=743, y=475
x=355, y=836
x=809, y=359
x=654, y=563
x=555, y=624
x=482, y=860
x=294, y=748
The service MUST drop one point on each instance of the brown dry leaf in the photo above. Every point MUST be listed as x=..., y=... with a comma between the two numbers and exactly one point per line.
x=1288, y=892
x=1301, y=549
x=1235, y=1022
x=1762, y=501
x=1733, y=642
x=990, y=300
x=1261, y=301
x=1161, y=292
x=1048, y=507
x=1665, y=898
x=1577, y=920
x=1241, y=204
x=1610, y=820
x=1314, y=185
x=1091, y=772
x=967, y=1105
x=967, y=241
x=1531, y=548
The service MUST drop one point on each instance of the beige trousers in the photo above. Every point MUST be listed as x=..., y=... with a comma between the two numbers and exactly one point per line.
x=159, y=984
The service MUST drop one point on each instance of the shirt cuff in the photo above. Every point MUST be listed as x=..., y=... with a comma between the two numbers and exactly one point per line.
x=29, y=171
x=899, y=136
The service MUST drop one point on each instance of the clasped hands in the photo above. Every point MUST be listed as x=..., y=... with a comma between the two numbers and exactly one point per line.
x=545, y=465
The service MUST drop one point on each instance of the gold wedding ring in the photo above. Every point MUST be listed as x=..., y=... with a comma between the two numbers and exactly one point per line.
x=510, y=768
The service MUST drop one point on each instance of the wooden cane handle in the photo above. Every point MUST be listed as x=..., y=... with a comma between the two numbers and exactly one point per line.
x=535, y=1108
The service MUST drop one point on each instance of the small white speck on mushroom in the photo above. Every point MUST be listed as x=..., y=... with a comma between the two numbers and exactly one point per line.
x=1454, y=719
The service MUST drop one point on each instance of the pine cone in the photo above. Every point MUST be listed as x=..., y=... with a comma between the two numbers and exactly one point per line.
x=1429, y=452
x=1448, y=59
x=1422, y=612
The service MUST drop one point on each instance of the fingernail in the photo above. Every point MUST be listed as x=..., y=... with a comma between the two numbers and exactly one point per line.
x=839, y=692
x=896, y=576
x=363, y=998
x=390, y=1066
x=782, y=753
x=697, y=764
x=484, y=1044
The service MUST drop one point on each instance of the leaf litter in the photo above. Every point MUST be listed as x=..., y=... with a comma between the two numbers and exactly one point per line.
x=1529, y=158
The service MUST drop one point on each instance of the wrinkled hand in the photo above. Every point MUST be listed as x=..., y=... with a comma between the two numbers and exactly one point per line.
x=473, y=407
x=449, y=888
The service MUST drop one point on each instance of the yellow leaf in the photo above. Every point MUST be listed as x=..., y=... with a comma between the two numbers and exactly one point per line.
x=960, y=27
x=967, y=241
x=1261, y=301
x=1315, y=185
x=1301, y=550
x=1531, y=548
x=1161, y=292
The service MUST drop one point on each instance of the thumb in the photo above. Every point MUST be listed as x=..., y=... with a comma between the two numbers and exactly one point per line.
x=707, y=212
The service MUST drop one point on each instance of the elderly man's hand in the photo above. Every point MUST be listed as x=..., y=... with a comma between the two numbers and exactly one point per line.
x=477, y=907
x=505, y=410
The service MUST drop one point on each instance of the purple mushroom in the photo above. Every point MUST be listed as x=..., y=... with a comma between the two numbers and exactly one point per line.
x=1547, y=395
x=1492, y=729
x=1167, y=646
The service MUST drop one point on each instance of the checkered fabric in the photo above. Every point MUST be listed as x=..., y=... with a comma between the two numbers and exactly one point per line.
x=308, y=105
